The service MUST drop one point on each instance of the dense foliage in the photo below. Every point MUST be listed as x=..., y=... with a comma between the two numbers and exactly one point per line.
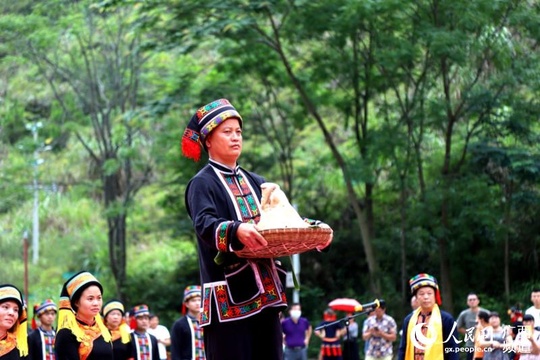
x=412, y=128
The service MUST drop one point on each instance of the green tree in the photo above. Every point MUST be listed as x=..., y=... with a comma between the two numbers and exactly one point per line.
x=95, y=72
x=242, y=26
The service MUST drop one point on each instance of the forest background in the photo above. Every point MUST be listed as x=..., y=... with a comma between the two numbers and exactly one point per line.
x=411, y=127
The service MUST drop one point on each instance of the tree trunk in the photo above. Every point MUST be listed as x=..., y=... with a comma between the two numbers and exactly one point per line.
x=445, y=284
x=116, y=222
x=117, y=252
x=402, y=240
x=507, y=188
x=362, y=214
x=106, y=84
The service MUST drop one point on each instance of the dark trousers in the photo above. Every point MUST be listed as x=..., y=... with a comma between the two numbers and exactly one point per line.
x=258, y=337
x=351, y=350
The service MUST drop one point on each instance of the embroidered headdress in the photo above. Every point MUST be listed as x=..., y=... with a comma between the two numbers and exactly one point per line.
x=112, y=305
x=17, y=334
x=190, y=291
x=44, y=307
x=421, y=280
x=123, y=330
x=206, y=119
x=71, y=292
x=141, y=310
x=40, y=309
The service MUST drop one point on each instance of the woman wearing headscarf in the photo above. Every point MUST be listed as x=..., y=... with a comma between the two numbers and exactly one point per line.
x=82, y=335
x=13, y=342
x=113, y=315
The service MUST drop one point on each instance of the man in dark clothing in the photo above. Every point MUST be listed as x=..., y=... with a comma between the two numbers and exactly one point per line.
x=428, y=332
x=145, y=345
x=41, y=339
x=186, y=334
x=241, y=298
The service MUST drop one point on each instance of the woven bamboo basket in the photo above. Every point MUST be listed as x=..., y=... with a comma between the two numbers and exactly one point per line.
x=288, y=241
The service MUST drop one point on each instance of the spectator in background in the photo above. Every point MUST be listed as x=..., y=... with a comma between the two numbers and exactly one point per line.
x=41, y=340
x=496, y=339
x=128, y=318
x=527, y=342
x=430, y=322
x=330, y=333
x=466, y=323
x=350, y=340
x=381, y=331
x=296, y=334
x=13, y=333
x=187, y=334
x=414, y=303
x=516, y=318
x=145, y=345
x=162, y=335
x=482, y=322
x=534, y=310
x=366, y=342
x=113, y=317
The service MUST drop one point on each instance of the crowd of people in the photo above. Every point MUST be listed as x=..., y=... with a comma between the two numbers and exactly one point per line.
x=427, y=333
x=486, y=337
x=236, y=313
x=89, y=329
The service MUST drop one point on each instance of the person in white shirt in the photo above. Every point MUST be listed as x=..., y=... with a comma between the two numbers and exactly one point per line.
x=535, y=309
x=527, y=342
x=162, y=335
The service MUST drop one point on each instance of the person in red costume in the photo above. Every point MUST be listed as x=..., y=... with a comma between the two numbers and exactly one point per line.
x=330, y=333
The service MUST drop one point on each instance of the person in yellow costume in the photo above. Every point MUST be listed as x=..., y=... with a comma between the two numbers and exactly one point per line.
x=13, y=343
x=81, y=334
x=429, y=333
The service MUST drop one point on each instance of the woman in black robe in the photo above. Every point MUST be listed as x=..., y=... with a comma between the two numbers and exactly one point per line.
x=13, y=342
x=113, y=315
x=82, y=335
